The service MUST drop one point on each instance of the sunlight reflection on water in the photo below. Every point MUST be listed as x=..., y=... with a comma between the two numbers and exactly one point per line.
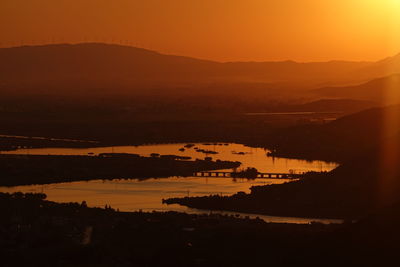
x=147, y=195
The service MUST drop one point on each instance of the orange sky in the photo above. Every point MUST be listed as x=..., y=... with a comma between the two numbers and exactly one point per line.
x=224, y=30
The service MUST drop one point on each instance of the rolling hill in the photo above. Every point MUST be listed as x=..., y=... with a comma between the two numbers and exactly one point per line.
x=384, y=90
x=340, y=140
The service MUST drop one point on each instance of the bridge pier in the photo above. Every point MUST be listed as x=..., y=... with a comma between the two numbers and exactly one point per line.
x=259, y=175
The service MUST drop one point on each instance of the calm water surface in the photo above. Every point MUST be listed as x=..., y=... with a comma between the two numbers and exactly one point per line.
x=253, y=157
x=147, y=195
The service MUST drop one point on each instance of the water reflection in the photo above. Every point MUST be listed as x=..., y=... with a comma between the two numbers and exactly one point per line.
x=248, y=156
x=134, y=195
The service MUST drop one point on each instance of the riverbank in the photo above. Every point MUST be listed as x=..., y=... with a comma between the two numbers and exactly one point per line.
x=116, y=125
x=345, y=193
x=39, y=169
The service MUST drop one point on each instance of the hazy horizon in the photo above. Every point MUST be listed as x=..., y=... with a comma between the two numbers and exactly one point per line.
x=193, y=57
x=224, y=31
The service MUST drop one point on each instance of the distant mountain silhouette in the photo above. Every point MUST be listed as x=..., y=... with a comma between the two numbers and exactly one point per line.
x=383, y=90
x=95, y=67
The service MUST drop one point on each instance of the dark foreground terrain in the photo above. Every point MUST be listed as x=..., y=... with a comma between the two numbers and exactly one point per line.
x=36, y=232
x=38, y=169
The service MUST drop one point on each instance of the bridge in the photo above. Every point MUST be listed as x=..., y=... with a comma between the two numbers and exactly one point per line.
x=259, y=175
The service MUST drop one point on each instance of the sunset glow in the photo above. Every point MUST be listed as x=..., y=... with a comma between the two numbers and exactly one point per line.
x=224, y=30
x=199, y=132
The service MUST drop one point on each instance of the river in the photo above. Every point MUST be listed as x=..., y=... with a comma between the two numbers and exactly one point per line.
x=147, y=195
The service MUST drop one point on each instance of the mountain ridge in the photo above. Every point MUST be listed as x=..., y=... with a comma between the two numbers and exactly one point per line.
x=100, y=66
